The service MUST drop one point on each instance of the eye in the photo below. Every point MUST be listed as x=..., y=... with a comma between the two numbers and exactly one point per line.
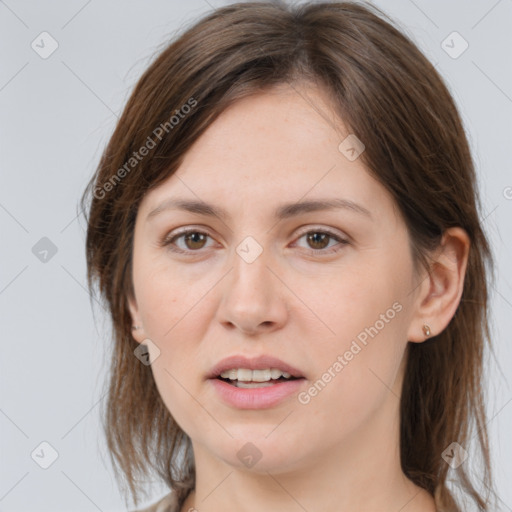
x=319, y=239
x=192, y=238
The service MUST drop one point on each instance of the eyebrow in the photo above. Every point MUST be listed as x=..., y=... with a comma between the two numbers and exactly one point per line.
x=284, y=211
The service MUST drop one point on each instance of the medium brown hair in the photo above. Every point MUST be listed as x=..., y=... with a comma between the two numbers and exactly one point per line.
x=393, y=99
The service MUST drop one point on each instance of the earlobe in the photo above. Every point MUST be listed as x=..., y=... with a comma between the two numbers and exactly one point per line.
x=137, y=333
x=441, y=292
x=137, y=330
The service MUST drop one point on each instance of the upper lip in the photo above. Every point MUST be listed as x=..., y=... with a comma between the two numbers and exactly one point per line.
x=255, y=363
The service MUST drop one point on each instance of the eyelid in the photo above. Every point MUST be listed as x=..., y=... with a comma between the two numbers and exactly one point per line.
x=322, y=229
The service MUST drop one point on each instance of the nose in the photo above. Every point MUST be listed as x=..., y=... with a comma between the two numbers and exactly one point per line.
x=253, y=297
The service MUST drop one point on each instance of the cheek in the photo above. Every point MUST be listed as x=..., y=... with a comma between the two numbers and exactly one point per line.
x=171, y=306
x=356, y=367
x=354, y=381
x=351, y=301
x=167, y=298
x=179, y=398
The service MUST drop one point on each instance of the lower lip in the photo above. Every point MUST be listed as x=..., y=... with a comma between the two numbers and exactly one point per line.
x=256, y=398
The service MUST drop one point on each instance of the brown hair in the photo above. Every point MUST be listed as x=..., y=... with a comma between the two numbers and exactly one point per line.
x=392, y=98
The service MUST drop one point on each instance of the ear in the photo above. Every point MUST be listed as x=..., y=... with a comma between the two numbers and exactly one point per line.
x=138, y=333
x=441, y=289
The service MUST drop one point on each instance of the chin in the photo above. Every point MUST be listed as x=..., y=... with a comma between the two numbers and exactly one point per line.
x=256, y=451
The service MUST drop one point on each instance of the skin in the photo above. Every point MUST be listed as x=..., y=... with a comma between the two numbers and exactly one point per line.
x=340, y=451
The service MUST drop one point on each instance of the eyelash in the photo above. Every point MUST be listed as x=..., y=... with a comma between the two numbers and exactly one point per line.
x=169, y=241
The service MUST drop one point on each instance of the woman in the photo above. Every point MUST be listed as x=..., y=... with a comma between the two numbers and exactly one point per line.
x=284, y=226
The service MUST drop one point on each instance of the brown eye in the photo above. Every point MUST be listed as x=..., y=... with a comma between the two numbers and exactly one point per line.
x=195, y=240
x=318, y=240
x=192, y=241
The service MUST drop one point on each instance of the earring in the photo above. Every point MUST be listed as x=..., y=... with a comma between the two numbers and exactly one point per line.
x=135, y=327
x=426, y=330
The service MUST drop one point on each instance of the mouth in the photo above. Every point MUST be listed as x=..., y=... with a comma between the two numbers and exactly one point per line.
x=255, y=383
x=264, y=369
x=248, y=379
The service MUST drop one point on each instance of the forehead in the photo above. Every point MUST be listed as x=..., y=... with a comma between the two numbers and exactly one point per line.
x=285, y=124
x=277, y=146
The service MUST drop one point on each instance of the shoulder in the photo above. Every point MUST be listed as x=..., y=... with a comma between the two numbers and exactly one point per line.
x=169, y=503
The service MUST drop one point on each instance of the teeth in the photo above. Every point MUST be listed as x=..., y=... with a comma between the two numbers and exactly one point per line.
x=261, y=375
x=245, y=375
x=275, y=374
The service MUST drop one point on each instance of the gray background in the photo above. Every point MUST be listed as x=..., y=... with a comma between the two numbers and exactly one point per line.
x=56, y=115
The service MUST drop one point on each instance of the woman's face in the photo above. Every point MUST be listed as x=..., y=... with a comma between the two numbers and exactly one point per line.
x=329, y=291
